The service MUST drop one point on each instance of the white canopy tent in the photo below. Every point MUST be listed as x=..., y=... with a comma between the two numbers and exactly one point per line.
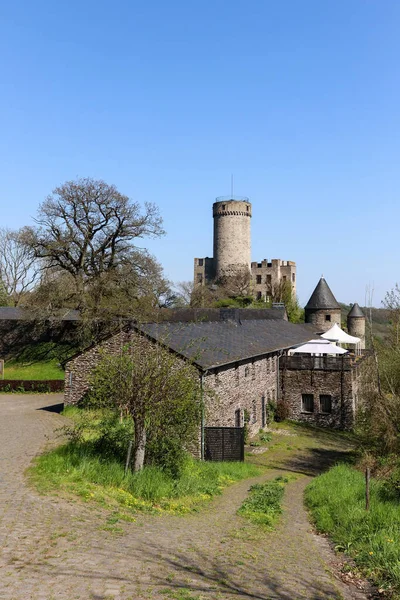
x=335, y=334
x=317, y=347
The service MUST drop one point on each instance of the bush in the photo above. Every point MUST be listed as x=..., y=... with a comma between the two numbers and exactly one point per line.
x=282, y=411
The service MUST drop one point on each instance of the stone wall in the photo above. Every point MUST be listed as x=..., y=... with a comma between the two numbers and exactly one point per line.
x=319, y=318
x=242, y=387
x=79, y=369
x=341, y=385
x=267, y=277
x=356, y=327
x=232, y=239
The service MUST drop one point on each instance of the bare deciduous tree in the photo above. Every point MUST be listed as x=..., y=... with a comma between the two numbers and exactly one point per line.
x=19, y=268
x=88, y=230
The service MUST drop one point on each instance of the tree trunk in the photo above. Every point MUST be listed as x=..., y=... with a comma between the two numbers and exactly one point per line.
x=140, y=446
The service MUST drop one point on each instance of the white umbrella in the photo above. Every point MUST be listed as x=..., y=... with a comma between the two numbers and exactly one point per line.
x=318, y=347
x=335, y=334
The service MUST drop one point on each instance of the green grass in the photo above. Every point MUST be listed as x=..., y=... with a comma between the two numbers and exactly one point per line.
x=263, y=505
x=33, y=370
x=336, y=500
x=92, y=466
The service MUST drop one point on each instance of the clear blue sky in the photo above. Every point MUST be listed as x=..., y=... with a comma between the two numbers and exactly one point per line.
x=299, y=99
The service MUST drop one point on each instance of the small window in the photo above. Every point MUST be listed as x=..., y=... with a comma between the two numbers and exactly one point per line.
x=263, y=412
x=247, y=208
x=199, y=278
x=259, y=265
x=325, y=403
x=327, y=317
x=259, y=295
x=223, y=207
x=246, y=371
x=200, y=262
x=293, y=277
x=238, y=417
x=268, y=278
x=284, y=278
x=258, y=278
x=307, y=403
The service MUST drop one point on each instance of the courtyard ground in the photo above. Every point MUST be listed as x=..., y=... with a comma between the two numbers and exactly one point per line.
x=54, y=548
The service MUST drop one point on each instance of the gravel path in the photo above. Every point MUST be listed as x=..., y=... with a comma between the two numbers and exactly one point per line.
x=53, y=549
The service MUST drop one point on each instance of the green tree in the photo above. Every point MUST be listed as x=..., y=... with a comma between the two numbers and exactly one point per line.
x=160, y=392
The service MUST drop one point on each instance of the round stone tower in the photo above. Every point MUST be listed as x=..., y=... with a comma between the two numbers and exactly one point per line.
x=232, y=240
x=322, y=309
x=356, y=323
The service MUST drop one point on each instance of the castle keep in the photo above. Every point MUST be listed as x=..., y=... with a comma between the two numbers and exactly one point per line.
x=232, y=252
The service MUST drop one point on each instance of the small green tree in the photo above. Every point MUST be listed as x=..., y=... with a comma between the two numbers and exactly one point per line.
x=161, y=394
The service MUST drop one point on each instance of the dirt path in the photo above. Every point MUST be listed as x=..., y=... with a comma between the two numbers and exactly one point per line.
x=54, y=549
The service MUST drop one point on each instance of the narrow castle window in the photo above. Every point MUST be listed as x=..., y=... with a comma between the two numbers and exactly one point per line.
x=293, y=277
x=258, y=278
x=200, y=262
x=325, y=403
x=307, y=403
x=268, y=278
x=223, y=207
x=284, y=278
x=327, y=317
x=259, y=295
x=238, y=417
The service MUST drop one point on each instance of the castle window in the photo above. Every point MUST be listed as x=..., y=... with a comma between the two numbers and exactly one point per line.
x=259, y=295
x=247, y=208
x=268, y=278
x=200, y=262
x=284, y=278
x=325, y=403
x=327, y=317
x=223, y=207
x=307, y=403
x=258, y=278
x=293, y=277
x=238, y=417
x=199, y=278
x=259, y=265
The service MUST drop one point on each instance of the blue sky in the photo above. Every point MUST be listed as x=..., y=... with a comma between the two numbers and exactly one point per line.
x=299, y=100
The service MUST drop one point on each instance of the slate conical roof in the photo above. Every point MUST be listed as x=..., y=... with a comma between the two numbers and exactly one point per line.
x=356, y=312
x=322, y=297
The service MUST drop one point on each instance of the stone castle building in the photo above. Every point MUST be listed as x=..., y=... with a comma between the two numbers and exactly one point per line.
x=232, y=253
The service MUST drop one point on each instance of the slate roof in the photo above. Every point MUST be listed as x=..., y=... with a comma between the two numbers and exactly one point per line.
x=356, y=311
x=322, y=297
x=220, y=314
x=212, y=344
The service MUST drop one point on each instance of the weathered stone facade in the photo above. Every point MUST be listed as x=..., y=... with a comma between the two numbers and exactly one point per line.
x=324, y=319
x=267, y=277
x=321, y=391
x=245, y=387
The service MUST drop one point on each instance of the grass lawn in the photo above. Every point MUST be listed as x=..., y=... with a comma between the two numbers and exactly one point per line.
x=92, y=467
x=33, y=370
x=336, y=500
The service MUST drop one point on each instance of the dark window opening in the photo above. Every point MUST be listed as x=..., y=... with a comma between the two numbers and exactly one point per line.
x=307, y=403
x=284, y=278
x=259, y=265
x=293, y=277
x=268, y=278
x=258, y=278
x=238, y=417
x=325, y=403
x=263, y=412
x=327, y=317
x=200, y=262
x=223, y=207
x=259, y=295
x=246, y=371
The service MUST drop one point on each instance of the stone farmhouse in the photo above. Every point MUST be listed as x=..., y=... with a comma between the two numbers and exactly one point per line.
x=232, y=253
x=241, y=355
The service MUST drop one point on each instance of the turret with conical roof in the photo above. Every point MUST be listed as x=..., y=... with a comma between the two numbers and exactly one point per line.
x=356, y=323
x=322, y=309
